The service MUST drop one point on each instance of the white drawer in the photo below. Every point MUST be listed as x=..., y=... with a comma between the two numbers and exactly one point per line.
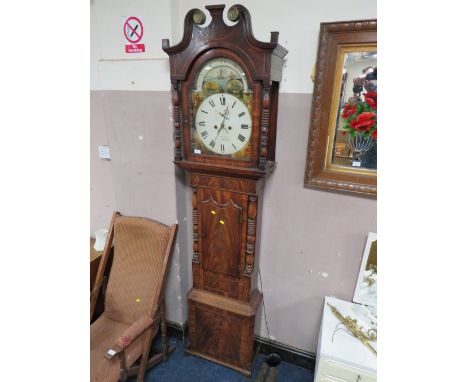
x=333, y=371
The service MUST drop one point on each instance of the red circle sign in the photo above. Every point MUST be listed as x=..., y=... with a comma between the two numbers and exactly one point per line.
x=133, y=29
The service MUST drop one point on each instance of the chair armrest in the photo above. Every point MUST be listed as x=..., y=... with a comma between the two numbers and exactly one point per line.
x=128, y=336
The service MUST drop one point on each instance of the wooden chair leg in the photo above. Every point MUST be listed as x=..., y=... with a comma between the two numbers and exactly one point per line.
x=123, y=367
x=147, y=345
x=145, y=354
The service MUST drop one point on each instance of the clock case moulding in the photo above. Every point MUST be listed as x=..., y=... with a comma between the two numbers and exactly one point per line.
x=227, y=193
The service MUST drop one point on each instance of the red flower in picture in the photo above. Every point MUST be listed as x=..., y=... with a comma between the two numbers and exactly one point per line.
x=363, y=122
x=371, y=99
x=348, y=111
x=360, y=116
x=371, y=103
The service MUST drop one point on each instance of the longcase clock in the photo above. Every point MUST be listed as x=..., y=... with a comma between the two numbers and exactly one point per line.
x=225, y=99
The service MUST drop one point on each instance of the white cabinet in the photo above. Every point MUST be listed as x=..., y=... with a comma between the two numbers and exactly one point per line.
x=333, y=371
x=340, y=356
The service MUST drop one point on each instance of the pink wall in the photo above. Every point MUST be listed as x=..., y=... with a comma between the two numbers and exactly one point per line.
x=312, y=241
x=140, y=177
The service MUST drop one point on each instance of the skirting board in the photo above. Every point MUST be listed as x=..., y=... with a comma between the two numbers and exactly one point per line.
x=287, y=353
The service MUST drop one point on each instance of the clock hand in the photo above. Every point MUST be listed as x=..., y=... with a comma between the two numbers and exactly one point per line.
x=222, y=124
x=224, y=118
x=225, y=114
x=218, y=132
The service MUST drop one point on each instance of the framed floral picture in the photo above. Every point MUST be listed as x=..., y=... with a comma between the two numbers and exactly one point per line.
x=342, y=145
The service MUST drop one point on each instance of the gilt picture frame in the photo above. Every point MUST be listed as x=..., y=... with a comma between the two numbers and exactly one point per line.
x=342, y=144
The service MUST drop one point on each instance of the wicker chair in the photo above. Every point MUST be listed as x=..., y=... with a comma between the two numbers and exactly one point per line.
x=134, y=300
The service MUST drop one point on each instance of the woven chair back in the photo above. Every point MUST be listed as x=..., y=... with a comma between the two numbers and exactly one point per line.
x=138, y=268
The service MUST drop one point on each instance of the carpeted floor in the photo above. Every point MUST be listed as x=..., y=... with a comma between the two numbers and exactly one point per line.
x=181, y=367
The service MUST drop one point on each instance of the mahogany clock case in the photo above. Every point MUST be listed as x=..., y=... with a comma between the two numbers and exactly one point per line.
x=224, y=299
x=227, y=190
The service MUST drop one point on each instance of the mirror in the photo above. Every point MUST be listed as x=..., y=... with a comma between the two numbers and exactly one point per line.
x=366, y=286
x=342, y=145
x=355, y=142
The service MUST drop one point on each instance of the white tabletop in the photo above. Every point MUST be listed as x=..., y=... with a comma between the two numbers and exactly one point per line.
x=345, y=347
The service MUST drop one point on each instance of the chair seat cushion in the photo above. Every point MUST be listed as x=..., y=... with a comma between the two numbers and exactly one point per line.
x=104, y=332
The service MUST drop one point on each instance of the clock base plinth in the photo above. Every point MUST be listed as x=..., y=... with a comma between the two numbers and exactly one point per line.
x=221, y=329
x=245, y=372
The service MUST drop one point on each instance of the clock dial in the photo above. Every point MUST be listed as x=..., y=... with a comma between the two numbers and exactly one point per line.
x=223, y=123
x=221, y=111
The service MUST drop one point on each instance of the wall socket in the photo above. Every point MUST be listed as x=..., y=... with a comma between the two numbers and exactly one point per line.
x=104, y=152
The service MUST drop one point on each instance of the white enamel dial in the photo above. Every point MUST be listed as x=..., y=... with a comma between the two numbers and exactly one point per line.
x=223, y=123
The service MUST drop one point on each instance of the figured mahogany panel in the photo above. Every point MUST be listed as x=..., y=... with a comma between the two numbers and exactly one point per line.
x=209, y=328
x=221, y=236
x=230, y=341
x=221, y=283
x=221, y=334
x=218, y=333
x=219, y=266
x=221, y=241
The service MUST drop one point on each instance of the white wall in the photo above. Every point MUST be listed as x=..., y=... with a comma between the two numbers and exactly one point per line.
x=298, y=22
x=111, y=67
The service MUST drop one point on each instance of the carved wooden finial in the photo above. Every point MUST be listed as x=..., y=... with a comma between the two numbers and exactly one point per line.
x=198, y=17
x=216, y=12
x=233, y=14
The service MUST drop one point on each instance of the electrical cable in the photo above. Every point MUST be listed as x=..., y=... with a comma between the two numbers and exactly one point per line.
x=263, y=303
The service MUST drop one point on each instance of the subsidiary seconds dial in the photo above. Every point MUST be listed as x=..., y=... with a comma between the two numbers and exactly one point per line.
x=223, y=123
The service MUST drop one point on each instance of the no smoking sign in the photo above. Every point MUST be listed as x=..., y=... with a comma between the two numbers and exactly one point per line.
x=133, y=32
